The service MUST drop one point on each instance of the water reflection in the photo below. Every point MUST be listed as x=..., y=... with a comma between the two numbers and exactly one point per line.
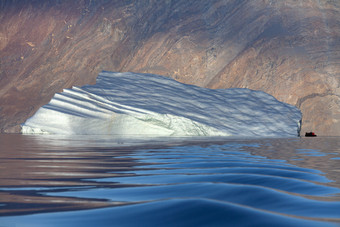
x=29, y=167
x=321, y=153
x=295, y=181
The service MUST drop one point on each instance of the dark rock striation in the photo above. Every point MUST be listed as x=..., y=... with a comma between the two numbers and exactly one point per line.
x=287, y=48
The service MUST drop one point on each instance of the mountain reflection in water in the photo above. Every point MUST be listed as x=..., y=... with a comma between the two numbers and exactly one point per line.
x=49, y=181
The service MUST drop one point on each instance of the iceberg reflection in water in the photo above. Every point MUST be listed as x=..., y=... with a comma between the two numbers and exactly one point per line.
x=169, y=182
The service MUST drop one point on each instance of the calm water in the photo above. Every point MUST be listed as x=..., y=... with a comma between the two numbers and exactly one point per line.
x=49, y=181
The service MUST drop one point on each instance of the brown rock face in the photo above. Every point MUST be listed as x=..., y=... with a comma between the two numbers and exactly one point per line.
x=287, y=48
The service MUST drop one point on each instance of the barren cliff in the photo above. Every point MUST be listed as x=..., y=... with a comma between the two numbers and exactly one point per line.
x=287, y=48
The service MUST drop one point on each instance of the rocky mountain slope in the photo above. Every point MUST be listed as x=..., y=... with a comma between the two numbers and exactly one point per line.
x=287, y=48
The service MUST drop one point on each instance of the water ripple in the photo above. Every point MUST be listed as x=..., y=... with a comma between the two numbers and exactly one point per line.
x=230, y=183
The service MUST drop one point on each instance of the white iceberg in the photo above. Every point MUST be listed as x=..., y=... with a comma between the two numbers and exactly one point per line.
x=126, y=104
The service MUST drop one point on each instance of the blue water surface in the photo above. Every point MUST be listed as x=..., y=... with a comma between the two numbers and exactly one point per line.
x=48, y=181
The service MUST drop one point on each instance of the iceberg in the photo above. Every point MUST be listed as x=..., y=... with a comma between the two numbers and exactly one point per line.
x=128, y=104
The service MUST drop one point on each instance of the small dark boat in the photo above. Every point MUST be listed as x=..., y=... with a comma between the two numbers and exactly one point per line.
x=310, y=134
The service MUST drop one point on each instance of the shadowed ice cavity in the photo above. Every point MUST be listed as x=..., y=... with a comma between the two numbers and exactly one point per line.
x=174, y=212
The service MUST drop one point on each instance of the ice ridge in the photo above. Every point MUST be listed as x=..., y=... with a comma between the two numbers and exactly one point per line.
x=128, y=104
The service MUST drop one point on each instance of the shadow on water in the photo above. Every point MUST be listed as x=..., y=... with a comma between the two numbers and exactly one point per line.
x=46, y=181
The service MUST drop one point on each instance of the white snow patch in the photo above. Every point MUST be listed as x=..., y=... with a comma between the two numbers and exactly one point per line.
x=150, y=105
